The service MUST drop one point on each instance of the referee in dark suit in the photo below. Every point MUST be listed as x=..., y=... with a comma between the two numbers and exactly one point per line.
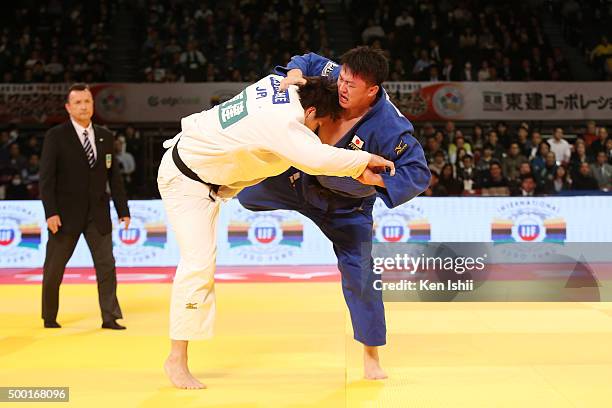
x=77, y=168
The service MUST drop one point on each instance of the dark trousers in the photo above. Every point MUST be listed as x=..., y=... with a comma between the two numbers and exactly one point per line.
x=60, y=248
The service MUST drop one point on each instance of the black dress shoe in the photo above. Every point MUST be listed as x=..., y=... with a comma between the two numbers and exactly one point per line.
x=52, y=324
x=112, y=324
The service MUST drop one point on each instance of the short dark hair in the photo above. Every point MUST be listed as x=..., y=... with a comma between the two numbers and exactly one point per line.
x=79, y=86
x=495, y=163
x=527, y=176
x=321, y=93
x=369, y=63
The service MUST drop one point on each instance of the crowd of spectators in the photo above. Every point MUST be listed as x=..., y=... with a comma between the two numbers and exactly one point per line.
x=56, y=41
x=228, y=41
x=493, y=159
x=470, y=40
x=497, y=160
x=425, y=40
x=242, y=40
x=586, y=26
x=19, y=165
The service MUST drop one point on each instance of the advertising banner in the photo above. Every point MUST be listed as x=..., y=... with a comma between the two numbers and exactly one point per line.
x=289, y=238
x=137, y=103
x=436, y=101
x=420, y=101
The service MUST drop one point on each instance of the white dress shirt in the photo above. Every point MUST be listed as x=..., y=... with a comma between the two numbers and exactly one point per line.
x=561, y=149
x=90, y=135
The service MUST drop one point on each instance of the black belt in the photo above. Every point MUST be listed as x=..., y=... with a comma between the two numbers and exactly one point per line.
x=180, y=164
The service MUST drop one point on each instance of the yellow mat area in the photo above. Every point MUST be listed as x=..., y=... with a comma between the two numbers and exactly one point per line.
x=281, y=345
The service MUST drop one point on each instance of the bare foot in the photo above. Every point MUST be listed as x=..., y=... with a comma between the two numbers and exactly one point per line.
x=178, y=373
x=371, y=364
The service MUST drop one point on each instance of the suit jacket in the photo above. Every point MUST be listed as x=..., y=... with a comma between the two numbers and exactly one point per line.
x=74, y=191
x=603, y=179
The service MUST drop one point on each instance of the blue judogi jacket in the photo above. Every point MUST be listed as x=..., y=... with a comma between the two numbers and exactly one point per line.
x=384, y=131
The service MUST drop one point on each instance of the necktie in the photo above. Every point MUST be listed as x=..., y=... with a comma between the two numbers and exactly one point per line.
x=91, y=159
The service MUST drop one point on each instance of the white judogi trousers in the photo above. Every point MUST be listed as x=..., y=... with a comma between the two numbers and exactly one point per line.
x=193, y=218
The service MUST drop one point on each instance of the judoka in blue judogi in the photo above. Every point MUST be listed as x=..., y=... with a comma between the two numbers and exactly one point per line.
x=342, y=207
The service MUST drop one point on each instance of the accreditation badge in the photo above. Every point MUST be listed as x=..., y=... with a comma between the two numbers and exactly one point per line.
x=109, y=160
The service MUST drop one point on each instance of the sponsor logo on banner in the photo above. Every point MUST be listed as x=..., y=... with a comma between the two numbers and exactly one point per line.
x=448, y=101
x=492, y=101
x=528, y=220
x=403, y=224
x=264, y=238
x=20, y=235
x=172, y=101
x=145, y=240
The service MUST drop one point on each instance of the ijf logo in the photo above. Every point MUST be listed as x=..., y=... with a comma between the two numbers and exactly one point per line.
x=264, y=232
x=264, y=238
x=144, y=240
x=528, y=220
x=20, y=235
x=111, y=101
x=404, y=224
x=448, y=101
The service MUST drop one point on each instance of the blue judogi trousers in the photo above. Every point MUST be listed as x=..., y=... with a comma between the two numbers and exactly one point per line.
x=347, y=222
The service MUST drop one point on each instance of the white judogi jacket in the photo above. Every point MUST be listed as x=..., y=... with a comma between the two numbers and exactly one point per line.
x=257, y=134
